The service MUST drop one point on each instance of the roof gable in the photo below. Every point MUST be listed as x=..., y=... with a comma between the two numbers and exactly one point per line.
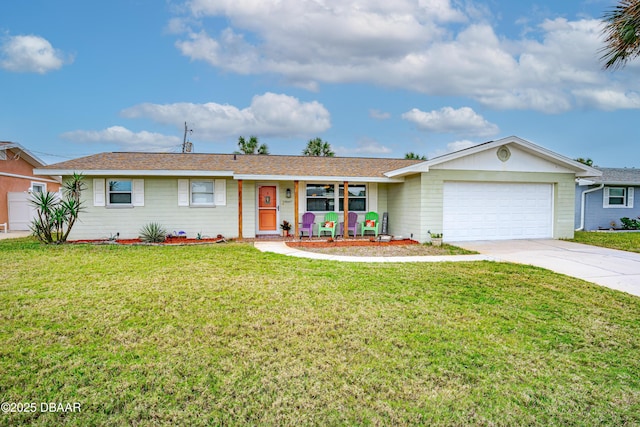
x=24, y=154
x=521, y=156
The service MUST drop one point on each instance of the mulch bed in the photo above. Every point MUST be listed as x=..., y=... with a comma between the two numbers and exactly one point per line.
x=349, y=243
x=168, y=241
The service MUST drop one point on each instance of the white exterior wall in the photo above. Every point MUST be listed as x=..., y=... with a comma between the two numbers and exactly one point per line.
x=161, y=206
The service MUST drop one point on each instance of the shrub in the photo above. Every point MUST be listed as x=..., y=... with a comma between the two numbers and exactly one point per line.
x=630, y=224
x=55, y=216
x=153, y=233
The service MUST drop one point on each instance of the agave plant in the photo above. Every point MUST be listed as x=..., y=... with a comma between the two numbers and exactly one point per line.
x=153, y=233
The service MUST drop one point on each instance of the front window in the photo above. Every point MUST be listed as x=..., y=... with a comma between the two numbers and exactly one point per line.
x=202, y=193
x=357, y=198
x=618, y=197
x=325, y=198
x=120, y=192
x=321, y=197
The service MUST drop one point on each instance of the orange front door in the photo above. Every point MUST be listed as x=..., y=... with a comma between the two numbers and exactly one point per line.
x=267, y=209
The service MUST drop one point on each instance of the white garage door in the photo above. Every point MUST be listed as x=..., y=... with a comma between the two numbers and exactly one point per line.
x=497, y=211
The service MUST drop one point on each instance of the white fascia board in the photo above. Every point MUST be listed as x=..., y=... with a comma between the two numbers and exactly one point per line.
x=117, y=172
x=582, y=182
x=417, y=168
x=316, y=178
x=32, y=178
x=580, y=169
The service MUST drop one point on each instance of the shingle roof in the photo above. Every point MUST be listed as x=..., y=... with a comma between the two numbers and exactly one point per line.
x=240, y=164
x=619, y=176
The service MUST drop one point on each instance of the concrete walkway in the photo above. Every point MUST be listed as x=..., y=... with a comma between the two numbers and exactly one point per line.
x=615, y=269
x=282, y=248
x=14, y=234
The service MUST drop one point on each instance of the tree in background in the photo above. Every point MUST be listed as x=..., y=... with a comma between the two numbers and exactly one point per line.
x=252, y=146
x=413, y=156
x=622, y=34
x=318, y=147
x=586, y=161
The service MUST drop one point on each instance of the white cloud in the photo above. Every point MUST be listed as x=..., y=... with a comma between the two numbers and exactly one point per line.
x=364, y=147
x=379, y=115
x=608, y=99
x=124, y=138
x=463, y=121
x=31, y=54
x=405, y=44
x=452, y=147
x=268, y=115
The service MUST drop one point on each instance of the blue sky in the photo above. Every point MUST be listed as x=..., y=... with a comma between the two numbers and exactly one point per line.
x=374, y=78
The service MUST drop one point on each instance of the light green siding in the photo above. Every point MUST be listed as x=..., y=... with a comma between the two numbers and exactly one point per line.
x=161, y=206
x=287, y=206
x=404, y=207
x=431, y=198
x=415, y=206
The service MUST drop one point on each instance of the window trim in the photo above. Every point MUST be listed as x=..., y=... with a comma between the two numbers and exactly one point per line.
x=39, y=184
x=108, y=192
x=213, y=193
x=185, y=192
x=365, y=197
x=628, y=194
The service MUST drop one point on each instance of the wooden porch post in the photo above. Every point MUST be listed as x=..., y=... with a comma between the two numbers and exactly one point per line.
x=239, y=209
x=296, y=208
x=346, y=210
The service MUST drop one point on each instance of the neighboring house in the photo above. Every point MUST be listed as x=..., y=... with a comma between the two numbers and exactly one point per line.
x=603, y=200
x=505, y=189
x=17, y=182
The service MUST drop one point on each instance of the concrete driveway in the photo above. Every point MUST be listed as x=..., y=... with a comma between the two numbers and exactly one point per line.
x=607, y=267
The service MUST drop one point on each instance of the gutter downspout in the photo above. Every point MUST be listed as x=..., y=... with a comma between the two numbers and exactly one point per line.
x=583, y=203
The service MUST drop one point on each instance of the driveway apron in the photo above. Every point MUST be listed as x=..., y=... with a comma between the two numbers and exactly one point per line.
x=615, y=269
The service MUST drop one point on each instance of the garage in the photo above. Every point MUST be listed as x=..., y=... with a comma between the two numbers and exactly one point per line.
x=497, y=211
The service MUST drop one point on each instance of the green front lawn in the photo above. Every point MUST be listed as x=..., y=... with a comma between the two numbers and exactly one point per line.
x=224, y=334
x=623, y=241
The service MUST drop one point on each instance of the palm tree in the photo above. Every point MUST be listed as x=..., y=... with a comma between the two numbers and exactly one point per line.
x=318, y=147
x=413, y=156
x=622, y=34
x=251, y=146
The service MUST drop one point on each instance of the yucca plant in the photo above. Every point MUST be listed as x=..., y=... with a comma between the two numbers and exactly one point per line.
x=153, y=233
x=55, y=216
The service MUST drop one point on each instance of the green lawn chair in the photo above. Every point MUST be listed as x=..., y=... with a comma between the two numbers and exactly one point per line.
x=329, y=224
x=371, y=226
